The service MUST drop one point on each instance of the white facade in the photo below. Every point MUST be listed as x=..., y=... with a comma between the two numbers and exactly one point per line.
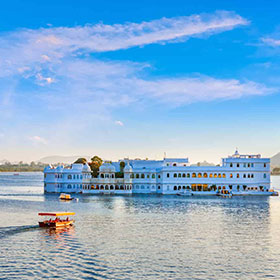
x=240, y=174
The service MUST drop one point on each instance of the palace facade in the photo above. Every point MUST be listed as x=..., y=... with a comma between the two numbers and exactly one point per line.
x=240, y=174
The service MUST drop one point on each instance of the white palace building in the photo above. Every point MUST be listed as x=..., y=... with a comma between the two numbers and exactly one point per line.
x=240, y=174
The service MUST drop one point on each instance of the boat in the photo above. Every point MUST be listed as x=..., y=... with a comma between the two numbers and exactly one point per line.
x=185, y=193
x=225, y=193
x=65, y=196
x=55, y=221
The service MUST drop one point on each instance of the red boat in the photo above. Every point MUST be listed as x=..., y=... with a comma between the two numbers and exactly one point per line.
x=55, y=219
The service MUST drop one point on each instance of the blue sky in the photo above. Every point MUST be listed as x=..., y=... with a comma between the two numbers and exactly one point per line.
x=139, y=78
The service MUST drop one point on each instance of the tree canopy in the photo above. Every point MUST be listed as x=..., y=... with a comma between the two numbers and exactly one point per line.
x=81, y=160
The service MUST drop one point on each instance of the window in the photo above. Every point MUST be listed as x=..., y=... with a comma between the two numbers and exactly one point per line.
x=175, y=175
x=230, y=165
x=211, y=175
x=252, y=175
x=69, y=177
x=244, y=165
x=148, y=176
x=249, y=165
x=205, y=175
x=158, y=187
x=219, y=175
x=132, y=175
x=69, y=187
x=199, y=175
x=238, y=187
x=252, y=164
x=188, y=175
x=179, y=175
x=264, y=175
x=244, y=175
x=183, y=175
x=237, y=165
x=153, y=176
x=102, y=175
x=137, y=176
x=215, y=175
x=142, y=176
x=167, y=175
x=175, y=188
x=249, y=176
x=264, y=165
x=224, y=175
x=194, y=175
x=237, y=175
x=230, y=175
x=159, y=176
x=174, y=164
x=179, y=187
x=142, y=187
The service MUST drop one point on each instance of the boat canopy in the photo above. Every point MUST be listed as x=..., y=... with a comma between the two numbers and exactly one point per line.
x=57, y=214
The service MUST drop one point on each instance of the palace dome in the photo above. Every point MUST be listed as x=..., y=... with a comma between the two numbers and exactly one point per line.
x=127, y=168
x=107, y=167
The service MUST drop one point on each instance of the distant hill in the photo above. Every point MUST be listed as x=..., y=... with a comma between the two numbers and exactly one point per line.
x=204, y=163
x=60, y=159
x=275, y=160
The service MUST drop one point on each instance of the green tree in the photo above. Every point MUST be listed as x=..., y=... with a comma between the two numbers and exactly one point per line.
x=95, y=163
x=81, y=160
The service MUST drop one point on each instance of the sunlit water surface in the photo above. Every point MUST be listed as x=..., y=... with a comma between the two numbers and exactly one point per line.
x=137, y=237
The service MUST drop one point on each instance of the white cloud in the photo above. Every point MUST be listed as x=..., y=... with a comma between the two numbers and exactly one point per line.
x=271, y=42
x=38, y=140
x=119, y=123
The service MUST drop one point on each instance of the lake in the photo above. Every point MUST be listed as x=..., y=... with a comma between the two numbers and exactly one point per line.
x=139, y=236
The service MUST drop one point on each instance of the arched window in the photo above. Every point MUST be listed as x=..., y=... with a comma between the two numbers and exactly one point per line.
x=183, y=175
x=175, y=175
x=106, y=187
x=111, y=187
x=121, y=187
x=167, y=175
x=252, y=175
x=69, y=186
x=175, y=188
x=238, y=187
x=199, y=175
x=230, y=176
x=237, y=165
x=102, y=175
x=244, y=175
x=158, y=176
x=264, y=165
x=113, y=175
x=142, y=176
x=184, y=187
x=264, y=175
x=219, y=175
x=101, y=187
x=148, y=176
x=153, y=176
x=69, y=177
x=211, y=175
x=137, y=176
x=215, y=175
x=179, y=187
x=179, y=175
x=174, y=164
x=230, y=165
x=237, y=175
x=142, y=187
x=158, y=187
x=249, y=165
x=224, y=175
x=249, y=176
x=116, y=187
x=205, y=175
x=194, y=175
x=132, y=175
x=188, y=175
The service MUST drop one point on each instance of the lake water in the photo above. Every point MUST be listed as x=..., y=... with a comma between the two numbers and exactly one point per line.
x=138, y=237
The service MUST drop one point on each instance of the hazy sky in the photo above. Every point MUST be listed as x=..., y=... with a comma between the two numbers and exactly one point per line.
x=139, y=78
